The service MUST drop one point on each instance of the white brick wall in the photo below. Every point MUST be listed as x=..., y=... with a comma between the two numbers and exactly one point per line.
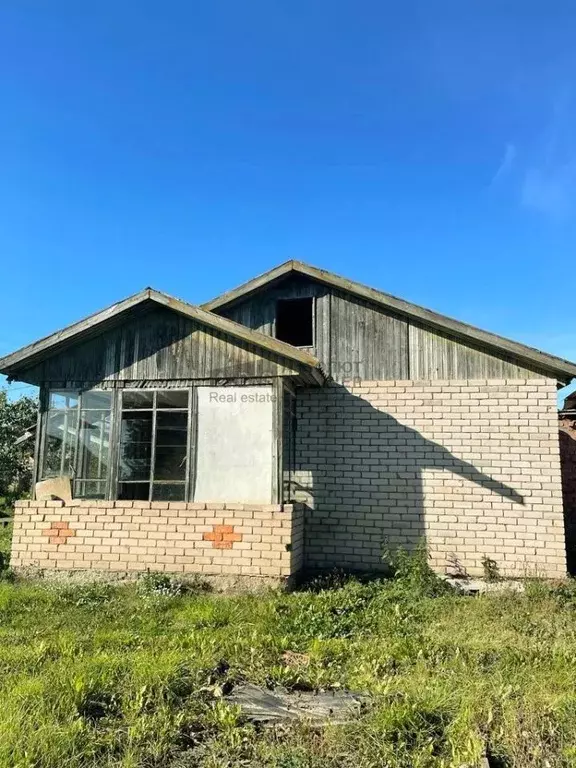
x=471, y=467
x=176, y=537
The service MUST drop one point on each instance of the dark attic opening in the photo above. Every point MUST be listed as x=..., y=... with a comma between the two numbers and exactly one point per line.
x=294, y=321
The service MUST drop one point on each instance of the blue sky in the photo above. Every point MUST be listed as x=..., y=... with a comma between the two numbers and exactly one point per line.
x=427, y=149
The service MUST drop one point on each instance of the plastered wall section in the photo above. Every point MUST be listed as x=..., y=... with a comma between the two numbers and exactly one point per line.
x=470, y=468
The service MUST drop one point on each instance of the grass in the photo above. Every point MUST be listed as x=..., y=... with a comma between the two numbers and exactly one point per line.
x=5, y=540
x=132, y=675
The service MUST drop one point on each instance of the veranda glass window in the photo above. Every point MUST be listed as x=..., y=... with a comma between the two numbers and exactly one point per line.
x=154, y=445
x=77, y=440
x=61, y=432
x=93, y=445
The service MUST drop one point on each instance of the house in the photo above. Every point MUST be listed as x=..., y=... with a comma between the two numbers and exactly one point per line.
x=301, y=420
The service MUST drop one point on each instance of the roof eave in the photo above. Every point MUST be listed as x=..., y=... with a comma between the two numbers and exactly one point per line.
x=558, y=368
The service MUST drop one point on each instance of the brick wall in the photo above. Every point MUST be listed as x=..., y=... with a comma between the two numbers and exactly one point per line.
x=212, y=539
x=567, y=426
x=471, y=467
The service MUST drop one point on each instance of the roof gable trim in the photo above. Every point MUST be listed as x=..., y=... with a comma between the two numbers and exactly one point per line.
x=100, y=321
x=559, y=368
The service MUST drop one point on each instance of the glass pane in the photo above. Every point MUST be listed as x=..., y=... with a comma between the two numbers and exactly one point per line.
x=94, y=400
x=170, y=463
x=133, y=491
x=171, y=440
x=135, y=446
x=90, y=489
x=172, y=398
x=137, y=398
x=168, y=492
x=60, y=443
x=94, y=444
x=63, y=399
x=171, y=428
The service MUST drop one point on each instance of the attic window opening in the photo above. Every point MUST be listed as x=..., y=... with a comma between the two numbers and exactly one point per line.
x=295, y=321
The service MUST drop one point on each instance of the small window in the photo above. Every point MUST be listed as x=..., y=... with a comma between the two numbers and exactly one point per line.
x=294, y=321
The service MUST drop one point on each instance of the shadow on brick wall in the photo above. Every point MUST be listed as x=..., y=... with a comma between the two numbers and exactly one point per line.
x=361, y=473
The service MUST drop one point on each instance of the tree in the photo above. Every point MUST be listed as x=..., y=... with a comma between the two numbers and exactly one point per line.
x=16, y=416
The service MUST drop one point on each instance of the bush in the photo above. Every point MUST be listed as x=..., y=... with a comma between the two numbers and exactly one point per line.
x=412, y=572
x=16, y=416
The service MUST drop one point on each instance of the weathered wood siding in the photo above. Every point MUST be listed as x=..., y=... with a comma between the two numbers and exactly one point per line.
x=434, y=355
x=366, y=343
x=259, y=311
x=159, y=345
x=355, y=338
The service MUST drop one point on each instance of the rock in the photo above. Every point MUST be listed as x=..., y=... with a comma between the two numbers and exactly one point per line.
x=481, y=586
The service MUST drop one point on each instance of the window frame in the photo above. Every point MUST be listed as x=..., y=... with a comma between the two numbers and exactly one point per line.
x=154, y=409
x=286, y=299
x=43, y=422
x=112, y=479
x=79, y=453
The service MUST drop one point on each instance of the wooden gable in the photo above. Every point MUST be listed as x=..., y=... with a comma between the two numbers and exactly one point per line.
x=158, y=346
x=362, y=333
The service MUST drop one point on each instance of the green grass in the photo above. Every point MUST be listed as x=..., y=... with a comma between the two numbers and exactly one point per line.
x=131, y=675
x=5, y=540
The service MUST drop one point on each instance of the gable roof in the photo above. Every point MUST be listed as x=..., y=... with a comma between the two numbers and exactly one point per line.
x=111, y=316
x=557, y=367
